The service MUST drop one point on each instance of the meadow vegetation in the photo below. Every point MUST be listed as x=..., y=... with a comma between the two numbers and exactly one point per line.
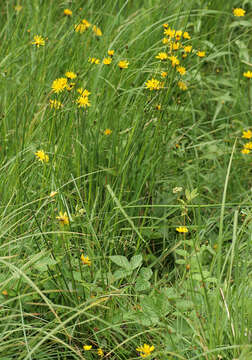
x=126, y=141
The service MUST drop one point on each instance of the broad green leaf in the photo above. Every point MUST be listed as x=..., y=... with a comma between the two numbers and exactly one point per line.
x=120, y=274
x=136, y=261
x=145, y=273
x=121, y=261
x=182, y=252
x=180, y=261
x=142, y=284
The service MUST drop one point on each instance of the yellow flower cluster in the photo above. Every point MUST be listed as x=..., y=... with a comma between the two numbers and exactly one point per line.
x=247, y=147
x=84, y=25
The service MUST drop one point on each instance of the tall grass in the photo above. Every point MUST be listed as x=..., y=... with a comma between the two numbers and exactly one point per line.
x=171, y=159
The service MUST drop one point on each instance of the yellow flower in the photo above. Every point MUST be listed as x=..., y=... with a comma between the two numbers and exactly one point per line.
x=59, y=85
x=5, y=292
x=181, y=70
x=164, y=74
x=18, y=8
x=239, y=12
x=83, y=101
x=38, y=41
x=85, y=260
x=100, y=352
x=84, y=92
x=68, y=12
x=111, y=52
x=182, y=229
x=186, y=35
x=87, y=347
x=93, y=60
x=174, y=60
x=80, y=28
x=245, y=151
x=86, y=23
x=107, y=132
x=55, y=104
x=63, y=218
x=248, y=145
x=158, y=107
x=165, y=41
x=71, y=75
x=182, y=85
x=247, y=134
x=248, y=74
x=162, y=56
x=53, y=193
x=145, y=350
x=165, y=26
x=70, y=86
x=153, y=84
x=169, y=32
x=107, y=60
x=178, y=34
x=175, y=46
x=97, y=31
x=188, y=48
x=123, y=64
x=41, y=156
x=201, y=54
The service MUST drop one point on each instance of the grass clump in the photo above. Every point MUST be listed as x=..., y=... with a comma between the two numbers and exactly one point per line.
x=125, y=195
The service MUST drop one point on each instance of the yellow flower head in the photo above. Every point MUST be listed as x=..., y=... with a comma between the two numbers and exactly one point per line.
x=178, y=35
x=169, y=32
x=175, y=46
x=164, y=74
x=153, y=84
x=181, y=70
x=107, y=132
x=83, y=101
x=165, y=41
x=245, y=151
x=201, y=54
x=186, y=35
x=248, y=74
x=239, y=12
x=63, y=218
x=68, y=12
x=87, y=347
x=59, y=85
x=80, y=28
x=247, y=134
x=53, y=193
x=41, y=156
x=182, y=229
x=100, y=352
x=97, y=31
x=107, y=60
x=18, y=8
x=182, y=85
x=86, y=23
x=83, y=92
x=94, y=60
x=248, y=145
x=111, y=53
x=174, y=60
x=85, y=260
x=5, y=292
x=71, y=75
x=123, y=64
x=165, y=26
x=38, y=41
x=145, y=350
x=162, y=56
x=187, y=48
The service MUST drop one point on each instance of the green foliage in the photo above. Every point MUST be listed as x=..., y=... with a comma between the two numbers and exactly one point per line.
x=91, y=196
